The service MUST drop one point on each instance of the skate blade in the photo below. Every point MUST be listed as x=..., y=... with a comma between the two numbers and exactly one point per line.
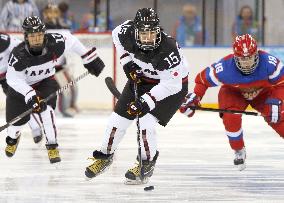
x=136, y=182
x=103, y=171
x=241, y=167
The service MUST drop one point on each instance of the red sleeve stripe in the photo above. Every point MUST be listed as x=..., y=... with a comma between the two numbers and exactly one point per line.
x=124, y=55
x=89, y=52
x=125, y=58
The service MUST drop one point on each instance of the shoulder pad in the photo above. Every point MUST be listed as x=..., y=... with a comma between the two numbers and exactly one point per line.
x=269, y=61
x=55, y=43
x=126, y=35
x=167, y=53
x=19, y=57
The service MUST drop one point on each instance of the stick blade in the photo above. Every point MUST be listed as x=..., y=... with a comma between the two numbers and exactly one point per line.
x=112, y=88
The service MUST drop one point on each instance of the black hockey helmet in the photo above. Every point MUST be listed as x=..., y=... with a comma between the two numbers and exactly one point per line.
x=147, y=25
x=33, y=24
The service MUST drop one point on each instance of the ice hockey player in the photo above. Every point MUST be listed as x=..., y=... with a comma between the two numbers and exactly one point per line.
x=247, y=77
x=7, y=44
x=146, y=52
x=30, y=76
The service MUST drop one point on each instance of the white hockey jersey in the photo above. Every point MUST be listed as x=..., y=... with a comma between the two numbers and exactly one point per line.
x=7, y=44
x=25, y=70
x=166, y=64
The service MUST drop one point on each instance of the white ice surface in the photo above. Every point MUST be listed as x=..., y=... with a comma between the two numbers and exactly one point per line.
x=195, y=164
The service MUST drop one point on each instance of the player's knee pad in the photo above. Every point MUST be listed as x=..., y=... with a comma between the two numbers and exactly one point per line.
x=49, y=126
x=148, y=122
x=232, y=122
x=148, y=138
x=14, y=131
x=34, y=122
x=114, y=133
x=118, y=121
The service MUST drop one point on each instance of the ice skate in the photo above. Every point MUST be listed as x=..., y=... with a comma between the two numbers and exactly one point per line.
x=101, y=164
x=53, y=153
x=37, y=138
x=133, y=175
x=240, y=158
x=12, y=145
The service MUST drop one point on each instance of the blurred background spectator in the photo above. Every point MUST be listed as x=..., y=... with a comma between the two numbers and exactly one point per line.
x=87, y=24
x=14, y=12
x=217, y=18
x=188, y=28
x=245, y=24
x=67, y=18
x=54, y=24
x=51, y=17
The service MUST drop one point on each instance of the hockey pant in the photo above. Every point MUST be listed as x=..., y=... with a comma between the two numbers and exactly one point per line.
x=15, y=105
x=232, y=99
x=46, y=118
x=116, y=129
x=34, y=121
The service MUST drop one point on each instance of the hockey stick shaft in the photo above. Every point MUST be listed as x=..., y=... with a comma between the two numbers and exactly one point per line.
x=59, y=91
x=112, y=88
x=138, y=135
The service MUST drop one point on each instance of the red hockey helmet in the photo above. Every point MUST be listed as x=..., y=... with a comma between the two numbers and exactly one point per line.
x=245, y=53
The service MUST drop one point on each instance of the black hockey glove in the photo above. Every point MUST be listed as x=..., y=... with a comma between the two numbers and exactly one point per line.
x=35, y=102
x=95, y=67
x=139, y=107
x=132, y=71
x=142, y=106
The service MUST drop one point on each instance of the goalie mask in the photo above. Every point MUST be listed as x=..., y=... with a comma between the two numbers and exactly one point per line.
x=245, y=53
x=34, y=31
x=147, y=29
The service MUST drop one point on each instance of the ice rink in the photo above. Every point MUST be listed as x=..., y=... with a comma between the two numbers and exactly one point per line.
x=195, y=164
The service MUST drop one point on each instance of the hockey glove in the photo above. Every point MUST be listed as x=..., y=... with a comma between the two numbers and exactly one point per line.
x=143, y=105
x=93, y=62
x=274, y=110
x=132, y=71
x=191, y=100
x=95, y=67
x=35, y=102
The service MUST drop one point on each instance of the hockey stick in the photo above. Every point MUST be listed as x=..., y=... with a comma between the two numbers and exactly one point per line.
x=138, y=135
x=59, y=91
x=112, y=88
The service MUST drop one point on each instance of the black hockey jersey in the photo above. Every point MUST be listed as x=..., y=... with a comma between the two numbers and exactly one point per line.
x=165, y=64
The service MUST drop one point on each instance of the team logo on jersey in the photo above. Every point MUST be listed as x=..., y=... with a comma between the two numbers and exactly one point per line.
x=38, y=72
x=251, y=93
x=150, y=72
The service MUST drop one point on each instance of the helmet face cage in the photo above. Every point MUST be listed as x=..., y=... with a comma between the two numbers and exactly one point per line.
x=145, y=39
x=247, y=65
x=147, y=29
x=33, y=25
x=245, y=54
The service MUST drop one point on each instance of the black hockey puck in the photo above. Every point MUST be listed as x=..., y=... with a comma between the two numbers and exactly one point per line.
x=149, y=188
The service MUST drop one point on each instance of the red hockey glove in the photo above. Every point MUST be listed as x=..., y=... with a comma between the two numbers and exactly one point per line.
x=191, y=100
x=274, y=110
x=35, y=102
